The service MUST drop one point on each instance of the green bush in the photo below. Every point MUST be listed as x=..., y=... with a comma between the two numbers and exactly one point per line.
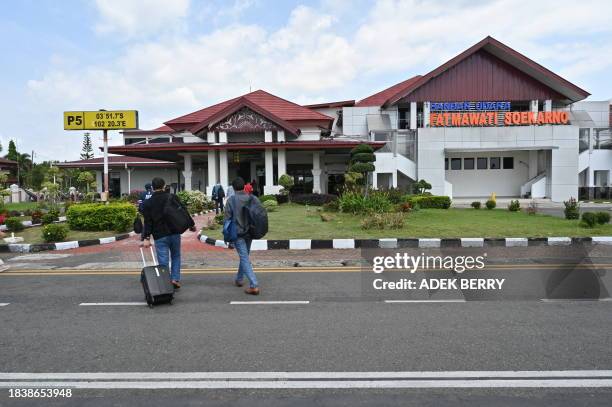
x=265, y=198
x=333, y=206
x=37, y=216
x=118, y=216
x=383, y=220
x=54, y=232
x=270, y=205
x=194, y=201
x=354, y=202
x=14, y=224
x=48, y=218
x=589, y=220
x=286, y=181
x=429, y=201
x=312, y=199
x=491, y=204
x=602, y=217
x=395, y=195
x=475, y=204
x=572, y=209
x=219, y=219
x=514, y=206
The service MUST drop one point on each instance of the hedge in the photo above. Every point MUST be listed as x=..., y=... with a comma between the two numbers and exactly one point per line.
x=312, y=199
x=429, y=201
x=118, y=216
x=54, y=232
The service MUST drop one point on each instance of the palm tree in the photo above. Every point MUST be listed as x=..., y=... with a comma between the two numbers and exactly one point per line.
x=24, y=164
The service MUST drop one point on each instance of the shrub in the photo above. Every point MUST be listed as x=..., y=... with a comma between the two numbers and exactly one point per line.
x=14, y=214
x=48, y=218
x=589, y=220
x=395, y=195
x=491, y=204
x=118, y=216
x=37, y=216
x=383, y=220
x=286, y=181
x=54, y=232
x=219, y=219
x=312, y=199
x=265, y=198
x=270, y=205
x=354, y=202
x=55, y=211
x=602, y=217
x=572, y=209
x=14, y=224
x=405, y=207
x=476, y=204
x=333, y=206
x=194, y=201
x=211, y=224
x=41, y=205
x=27, y=212
x=421, y=186
x=429, y=201
x=281, y=199
x=514, y=206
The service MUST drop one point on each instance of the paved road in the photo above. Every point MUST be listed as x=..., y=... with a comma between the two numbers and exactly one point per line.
x=339, y=326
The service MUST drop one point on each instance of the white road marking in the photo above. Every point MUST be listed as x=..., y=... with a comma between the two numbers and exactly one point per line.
x=461, y=374
x=422, y=301
x=89, y=304
x=326, y=384
x=267, y=302
x=4, y=304
x=576, y=300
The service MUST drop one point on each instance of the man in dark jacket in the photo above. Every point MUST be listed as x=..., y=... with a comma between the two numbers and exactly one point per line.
x=167, y=242
x=233, y=210
x=217, y=196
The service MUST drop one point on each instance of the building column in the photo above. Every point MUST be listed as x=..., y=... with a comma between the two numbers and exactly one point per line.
x=187, y=172
x=268, y=136
x=374, y=180
x=282, y=161
x=129, y=177
x=548, y=105
x=533, y=106
x=253, y=170
x=413, y=115
x=394, y=179
x=316, y=172
x=426, y=110
x=212, y=171
x=222, y=137
x=223, y=170
x=269, y=187
x=211, y=138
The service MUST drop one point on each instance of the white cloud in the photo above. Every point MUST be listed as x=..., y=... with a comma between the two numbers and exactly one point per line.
x=139, y=17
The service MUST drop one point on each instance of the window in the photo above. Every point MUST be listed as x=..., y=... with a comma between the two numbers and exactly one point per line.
x=508, y=163
x=494, y=163
x=468, y=163
x=455, y=163
x=482, y=163
x=446, y=163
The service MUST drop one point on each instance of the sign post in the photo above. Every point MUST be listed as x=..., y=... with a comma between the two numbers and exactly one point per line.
x=104, y=120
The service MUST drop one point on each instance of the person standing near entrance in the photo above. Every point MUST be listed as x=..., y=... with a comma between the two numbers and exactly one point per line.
x=156, y=224
x=234, y=210
x=218, y=194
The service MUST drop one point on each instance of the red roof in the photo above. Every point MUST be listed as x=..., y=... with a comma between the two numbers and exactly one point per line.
x=117, y=161
x=380, y=98
x=519, y=61
x=159, y=130
x=6, y=161
x=278, y=107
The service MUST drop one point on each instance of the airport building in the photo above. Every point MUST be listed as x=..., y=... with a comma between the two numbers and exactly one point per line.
x=488, y=120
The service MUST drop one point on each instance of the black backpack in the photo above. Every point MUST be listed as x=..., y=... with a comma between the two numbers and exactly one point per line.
x=256, y=217
x=176, y=216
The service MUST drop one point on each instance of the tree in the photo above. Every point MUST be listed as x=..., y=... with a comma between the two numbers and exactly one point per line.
x=24, y=163
x=87, y=150
x=286, y=181
x=12, y=151
x=86, y=178
x=421, y=186
x=362, y=158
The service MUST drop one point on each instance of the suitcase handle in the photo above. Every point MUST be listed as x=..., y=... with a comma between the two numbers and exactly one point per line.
x=144, y=261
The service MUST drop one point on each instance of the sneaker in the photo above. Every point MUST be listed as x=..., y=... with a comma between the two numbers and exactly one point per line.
x=252, y=291
x=176, y=284
x=238, y=283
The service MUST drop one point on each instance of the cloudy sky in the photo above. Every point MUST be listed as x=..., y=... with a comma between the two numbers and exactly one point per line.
x=165, y=58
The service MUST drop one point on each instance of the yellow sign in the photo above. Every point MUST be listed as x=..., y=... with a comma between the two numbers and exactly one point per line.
x=101, y=120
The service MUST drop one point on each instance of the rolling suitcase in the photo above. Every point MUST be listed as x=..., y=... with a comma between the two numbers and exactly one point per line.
x=156, y=282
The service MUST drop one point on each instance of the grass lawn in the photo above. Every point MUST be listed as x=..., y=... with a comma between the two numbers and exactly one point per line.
x=34, y=235
x=300, y=222
x=20, y=206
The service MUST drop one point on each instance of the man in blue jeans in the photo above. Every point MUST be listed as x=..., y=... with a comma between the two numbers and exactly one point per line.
x=167, y=242
x=233, y=210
